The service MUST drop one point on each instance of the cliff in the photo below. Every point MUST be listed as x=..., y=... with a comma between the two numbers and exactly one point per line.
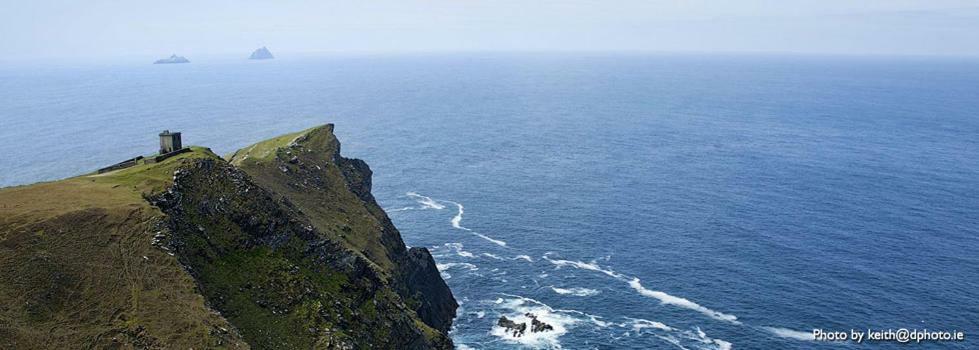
x=281, y=246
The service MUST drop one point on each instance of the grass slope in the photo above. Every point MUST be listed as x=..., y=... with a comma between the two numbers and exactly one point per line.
x=77, y=268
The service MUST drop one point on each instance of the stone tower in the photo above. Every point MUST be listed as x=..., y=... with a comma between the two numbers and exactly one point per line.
x=169, y=142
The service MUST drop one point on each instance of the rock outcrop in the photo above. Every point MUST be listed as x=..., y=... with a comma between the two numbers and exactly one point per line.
x=307, y=169
x=519, y=329
x=512, y=327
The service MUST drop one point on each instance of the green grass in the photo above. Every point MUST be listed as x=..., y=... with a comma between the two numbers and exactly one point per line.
x=78, y=271
x=151, y=178
x=262, y=274
x=266, y=150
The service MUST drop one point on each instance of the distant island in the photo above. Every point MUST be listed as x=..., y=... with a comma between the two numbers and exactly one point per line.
x=262, y=53
x=172, y=59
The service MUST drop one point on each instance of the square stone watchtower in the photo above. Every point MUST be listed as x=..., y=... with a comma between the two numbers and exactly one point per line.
x=169, y=142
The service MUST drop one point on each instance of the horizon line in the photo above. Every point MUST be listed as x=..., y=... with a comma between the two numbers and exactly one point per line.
x=285, y=54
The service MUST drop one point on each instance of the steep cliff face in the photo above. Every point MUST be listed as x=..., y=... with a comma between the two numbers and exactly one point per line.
x=280, y=247
x=307, y=169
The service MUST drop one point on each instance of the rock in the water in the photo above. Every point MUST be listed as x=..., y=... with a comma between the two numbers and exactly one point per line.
x=262, y=53
x=172, y=59
x=537, y=325
x=517, y=329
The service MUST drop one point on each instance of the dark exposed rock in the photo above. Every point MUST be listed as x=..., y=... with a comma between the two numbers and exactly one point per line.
x=537, y=325
x=422, y=281
x=317, y=179
x=516, y=329
x=262, y=242
x=519, y=329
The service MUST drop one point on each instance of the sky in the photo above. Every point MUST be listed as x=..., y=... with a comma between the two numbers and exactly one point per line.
x=152, y=28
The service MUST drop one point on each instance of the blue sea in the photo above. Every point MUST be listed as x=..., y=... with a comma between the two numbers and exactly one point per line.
x=650, y=201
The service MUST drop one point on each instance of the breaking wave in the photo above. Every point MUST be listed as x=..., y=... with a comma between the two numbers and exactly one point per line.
x=638, y=287
x=443, y=268
x=425, y=201
x=458, y=248
x=524, y=257
x=563, y=319
x=681, y=302
x=584, y=266
x=490, y=239
x=492, y=256
x=682, y=339
x=431, y=203
x=446, y=266
x=578, y=292
x=457, y=219
x=399, y=209
x=457, y=223
x=516, y=308
x=790, y=333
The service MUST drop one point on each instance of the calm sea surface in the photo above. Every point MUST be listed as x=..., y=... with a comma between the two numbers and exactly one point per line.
x=633, y=202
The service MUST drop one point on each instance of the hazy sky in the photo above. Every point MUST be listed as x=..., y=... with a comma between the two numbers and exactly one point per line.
x=94, y=28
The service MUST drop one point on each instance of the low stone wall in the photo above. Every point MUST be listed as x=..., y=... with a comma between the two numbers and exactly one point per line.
x=121, y=165
x=134, y=161
x=162, y=157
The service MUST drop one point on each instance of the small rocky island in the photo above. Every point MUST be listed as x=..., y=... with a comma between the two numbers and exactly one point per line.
x=518, y=329
x=172, y=59
x=262, y=53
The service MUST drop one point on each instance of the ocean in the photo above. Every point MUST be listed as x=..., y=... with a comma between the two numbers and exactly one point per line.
x=632, y=201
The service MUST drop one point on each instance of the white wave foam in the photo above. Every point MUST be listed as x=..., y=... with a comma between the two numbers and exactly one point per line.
x=457, y=223
x=722, y=345
x=639, y=324
x=638, y=287
x=430, y=203
x=492, y=256
x=681, y=302
x=443, y=268
x=524, y=257
x=578, y=292
x=491, y=240
x=446, y=266
x=399, y=209
x=457, y=219
x=425, y=201
x=790, y=333
x=672, y=340
x=597, y=320
x=680, y=338
x=584, y=266
x=457, y=247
